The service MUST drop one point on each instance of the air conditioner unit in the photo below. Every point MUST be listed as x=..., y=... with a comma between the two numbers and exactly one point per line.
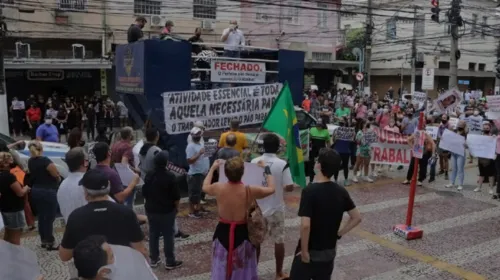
x=158, y=21
x=207, y=25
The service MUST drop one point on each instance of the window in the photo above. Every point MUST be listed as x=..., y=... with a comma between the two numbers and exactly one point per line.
x=420, y=26
x=444, y=65
x=472, y=66
x=205, y=9
x=264, y=12
x=481, y=66
x=322, y=15
x=73, y=5
x=473, y=27
x=147, y=7
x=321, y=56
x=7, y=2
x=391, y=28
x=484, y=26
x=293, y=12
x=447, y=28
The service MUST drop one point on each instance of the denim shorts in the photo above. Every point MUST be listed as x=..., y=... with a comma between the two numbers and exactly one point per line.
x=14, y=220
x=195, y=183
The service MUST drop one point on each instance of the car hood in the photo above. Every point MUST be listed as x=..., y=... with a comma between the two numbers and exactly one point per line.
x=331, y=128
x=50, y=149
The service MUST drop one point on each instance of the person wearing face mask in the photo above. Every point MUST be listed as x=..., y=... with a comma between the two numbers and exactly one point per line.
x=391, y=126
x=343, y=147
x=409, y=123
x=486, y=166
x=384, y=118
x=475, y=122
x=361, y=110
x=233, y=40
x=33, y=117
x=47, y=132
x=428, y=153
x=343, y=111
x=458, y=161
x=443, y=155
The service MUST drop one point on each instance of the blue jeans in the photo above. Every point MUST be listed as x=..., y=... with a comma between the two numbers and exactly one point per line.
x=162, y=224
x=457, y=165
x=45, y=201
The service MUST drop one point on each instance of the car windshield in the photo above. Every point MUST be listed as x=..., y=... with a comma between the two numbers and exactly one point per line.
x=6, y=139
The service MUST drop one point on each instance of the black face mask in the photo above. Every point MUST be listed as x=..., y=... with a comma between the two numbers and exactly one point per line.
x=370, y=118
x=486, y=131
x=444, y=121
x=428, y=122
x=196, y=138
x=341, y=124
x=460, y=129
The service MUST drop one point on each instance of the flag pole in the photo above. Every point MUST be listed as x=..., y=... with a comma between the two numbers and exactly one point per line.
x=267, y=116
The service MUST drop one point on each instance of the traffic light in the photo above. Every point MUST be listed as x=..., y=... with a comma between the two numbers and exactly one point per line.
x=435, y=10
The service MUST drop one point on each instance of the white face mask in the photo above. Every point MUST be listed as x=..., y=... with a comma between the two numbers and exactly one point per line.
x=386, y=110
x=48, y=121
x=476, y=113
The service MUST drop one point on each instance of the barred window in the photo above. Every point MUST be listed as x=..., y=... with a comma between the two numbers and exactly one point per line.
x=205, y=9
x=294, y=12
x=147, y=7
x=322, y=15
x=73, y=5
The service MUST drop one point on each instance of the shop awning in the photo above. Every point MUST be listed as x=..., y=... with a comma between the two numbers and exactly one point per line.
x=56, y=63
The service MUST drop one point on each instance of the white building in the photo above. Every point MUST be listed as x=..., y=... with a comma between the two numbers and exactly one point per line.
x=392, y=38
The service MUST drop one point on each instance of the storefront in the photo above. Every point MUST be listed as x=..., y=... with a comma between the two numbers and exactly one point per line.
x=22, y=83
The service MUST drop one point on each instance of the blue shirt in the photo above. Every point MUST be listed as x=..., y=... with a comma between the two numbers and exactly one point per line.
x=47, y=133
x=202, y=164
x=411, y=125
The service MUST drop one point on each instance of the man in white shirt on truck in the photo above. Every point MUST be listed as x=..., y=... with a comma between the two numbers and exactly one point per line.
x=273, y=206
x=233, y=39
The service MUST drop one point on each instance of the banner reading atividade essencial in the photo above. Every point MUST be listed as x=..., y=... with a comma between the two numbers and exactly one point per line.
x=391, y=148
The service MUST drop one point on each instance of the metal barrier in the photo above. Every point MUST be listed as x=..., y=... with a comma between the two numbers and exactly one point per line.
x=202, y=64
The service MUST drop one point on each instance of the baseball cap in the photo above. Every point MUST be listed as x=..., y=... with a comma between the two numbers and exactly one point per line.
x=94, y=180
x=195, y=130
x=161, y=159
x=198, y=124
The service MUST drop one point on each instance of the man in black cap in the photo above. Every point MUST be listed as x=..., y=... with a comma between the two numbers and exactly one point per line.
x=99, y=217
x=134, y=32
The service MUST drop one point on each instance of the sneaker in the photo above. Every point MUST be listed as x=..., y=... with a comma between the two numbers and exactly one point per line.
x=358, y=174
x=194, y=215
x=181, y=235
x=374, y=174
x=346, y=183
x=478, y=189
x=459, y=188
x=449, y=186
x=368, y=179
x=406, y=182
x=432, y=180
x=174, y=265
x=491, y=191
x=154, y=263
x=355, y=179
x=419, y=183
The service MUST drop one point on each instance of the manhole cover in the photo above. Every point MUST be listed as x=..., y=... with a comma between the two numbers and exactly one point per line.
x=449, y=193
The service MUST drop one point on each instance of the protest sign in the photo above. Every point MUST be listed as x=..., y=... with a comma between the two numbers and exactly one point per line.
x=391, y=148
x=210, y=147
x=447, y=101
x=344, y=133
x=253, y=175
x=418, y=144
x=432, y=131
x=482, y=146
x=257, y=151
x=475, y=124
x=18, y=105
x=230, y=71
x=126, y=174
x=130, y=264
x=452, y=123
x=418, y=99
x=493, y=103
x=370, y=137
x=2, y=225
x=18, y=262
x=217, y=107
x=452, y=142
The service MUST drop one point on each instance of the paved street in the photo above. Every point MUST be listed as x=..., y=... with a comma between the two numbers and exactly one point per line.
x=460, y=236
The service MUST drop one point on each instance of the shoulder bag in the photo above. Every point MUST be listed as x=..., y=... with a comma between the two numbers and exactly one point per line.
x=256, y=223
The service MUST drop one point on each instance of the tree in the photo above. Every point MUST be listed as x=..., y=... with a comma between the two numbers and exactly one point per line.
x=354, y=39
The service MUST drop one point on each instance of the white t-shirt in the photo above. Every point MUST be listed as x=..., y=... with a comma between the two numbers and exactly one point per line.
x=234, y=40
x=282, y=177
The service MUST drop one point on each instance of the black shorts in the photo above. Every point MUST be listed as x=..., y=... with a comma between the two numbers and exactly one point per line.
x=195, y=183
x=488, y=170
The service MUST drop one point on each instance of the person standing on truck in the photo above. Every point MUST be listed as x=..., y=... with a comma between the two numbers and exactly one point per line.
x=134, y=32
x=241, y=139
x=233, y=38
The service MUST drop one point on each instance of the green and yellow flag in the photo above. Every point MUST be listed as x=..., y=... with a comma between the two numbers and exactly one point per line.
x=283, y=121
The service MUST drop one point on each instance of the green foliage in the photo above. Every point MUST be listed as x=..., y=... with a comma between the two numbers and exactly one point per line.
x=354, y=39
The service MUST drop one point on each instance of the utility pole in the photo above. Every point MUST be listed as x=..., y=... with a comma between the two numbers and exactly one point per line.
x=4, y=117
x=496, y=90
x=455, y=20
x=368, y=46
x=414, y=51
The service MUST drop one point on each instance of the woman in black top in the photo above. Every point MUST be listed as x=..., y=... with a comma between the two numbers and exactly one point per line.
x=62, y=122
x=44, y=180
x=11, y=201
x=75, y=138
x=162, y=200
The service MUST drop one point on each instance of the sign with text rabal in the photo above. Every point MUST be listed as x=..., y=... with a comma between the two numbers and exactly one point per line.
x=217, y=107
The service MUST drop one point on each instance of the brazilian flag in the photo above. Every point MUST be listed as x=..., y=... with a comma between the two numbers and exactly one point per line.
x=283, y=121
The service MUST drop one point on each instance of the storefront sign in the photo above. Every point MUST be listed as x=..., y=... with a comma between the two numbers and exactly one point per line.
x=78, y=75
x=223, y=71
x=129, y=62
x=217, y=107
x=45, y=75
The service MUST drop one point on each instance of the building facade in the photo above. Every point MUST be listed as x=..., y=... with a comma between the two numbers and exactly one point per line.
x=393, y=23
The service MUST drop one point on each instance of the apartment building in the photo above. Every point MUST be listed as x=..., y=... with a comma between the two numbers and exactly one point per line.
x=393, y=23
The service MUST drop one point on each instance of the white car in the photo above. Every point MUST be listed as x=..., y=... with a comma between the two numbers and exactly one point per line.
x=55, y=151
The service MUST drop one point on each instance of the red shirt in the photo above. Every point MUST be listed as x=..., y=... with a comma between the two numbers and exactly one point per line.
x=34, y=114
x=120, y=149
